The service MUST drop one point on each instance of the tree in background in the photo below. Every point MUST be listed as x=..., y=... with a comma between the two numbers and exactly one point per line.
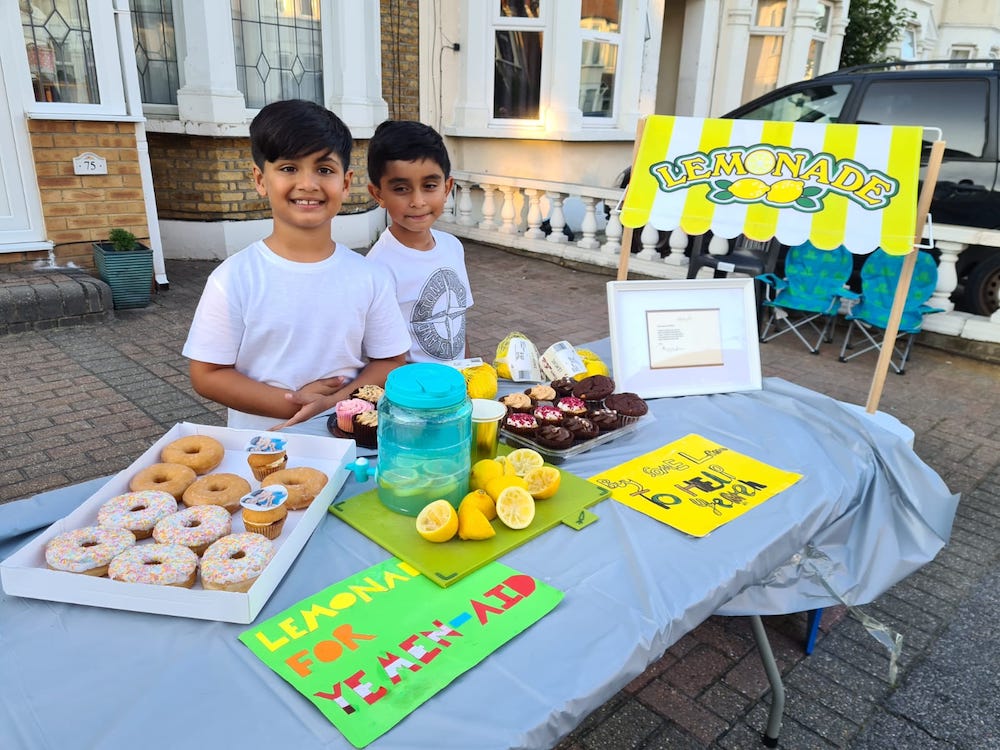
x=872, y=25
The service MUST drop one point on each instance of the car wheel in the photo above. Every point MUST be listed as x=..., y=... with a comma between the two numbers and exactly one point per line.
x=982, y=286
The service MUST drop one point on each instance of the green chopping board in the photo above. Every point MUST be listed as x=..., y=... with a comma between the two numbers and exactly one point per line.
x=448, y=562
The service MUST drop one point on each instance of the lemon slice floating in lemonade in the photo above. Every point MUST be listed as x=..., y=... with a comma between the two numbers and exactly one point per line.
x=437, y=521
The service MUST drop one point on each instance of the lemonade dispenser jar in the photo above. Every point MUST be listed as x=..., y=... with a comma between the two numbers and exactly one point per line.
x=424, y=437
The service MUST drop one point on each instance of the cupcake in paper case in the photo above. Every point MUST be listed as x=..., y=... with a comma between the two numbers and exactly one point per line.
x=594, y=389
x=563, y=387
x=548, y=415
x=345, y=411
x=571, y=406
x=366, y=429
x=264, y=511
x=605, y=419
x=267, y=455
x=581, y=427
x=541, y=394
x=369, y=392
x=521, y=424
x=516, y=402
x=628, y=405
x=554, y=437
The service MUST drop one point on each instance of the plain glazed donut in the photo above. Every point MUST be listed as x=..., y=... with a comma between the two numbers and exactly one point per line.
x=234, y=562
x=87, y=550
x=160, y=564
x=217, y=489
x=195, y=527
x=172, y=478
x=302, y=483
x=136, y=511
x=199, y=452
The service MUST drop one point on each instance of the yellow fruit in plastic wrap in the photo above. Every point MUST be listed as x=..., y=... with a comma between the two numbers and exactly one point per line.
x=503, y=348
x=480, y=381
x=594, y=364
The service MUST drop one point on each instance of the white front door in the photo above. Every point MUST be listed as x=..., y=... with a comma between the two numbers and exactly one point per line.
x=21, y=226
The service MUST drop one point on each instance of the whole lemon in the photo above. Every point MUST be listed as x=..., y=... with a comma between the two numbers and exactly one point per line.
x=480, y=381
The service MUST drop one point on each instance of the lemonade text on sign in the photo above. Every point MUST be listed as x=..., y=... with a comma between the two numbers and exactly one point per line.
x=804, y=177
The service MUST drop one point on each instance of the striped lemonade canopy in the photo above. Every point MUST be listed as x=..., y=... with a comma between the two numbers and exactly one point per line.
x=851, y=185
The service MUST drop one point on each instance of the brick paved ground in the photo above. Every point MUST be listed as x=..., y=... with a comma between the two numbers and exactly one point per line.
x=82, y=402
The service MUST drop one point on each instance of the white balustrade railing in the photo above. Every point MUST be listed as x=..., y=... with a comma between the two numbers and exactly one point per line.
x=531, y=215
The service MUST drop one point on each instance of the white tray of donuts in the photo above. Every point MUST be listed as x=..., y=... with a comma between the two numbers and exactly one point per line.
x=159, y=539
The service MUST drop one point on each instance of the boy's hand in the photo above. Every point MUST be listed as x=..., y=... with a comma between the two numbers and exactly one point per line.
x=312, y=404
x=324, y=386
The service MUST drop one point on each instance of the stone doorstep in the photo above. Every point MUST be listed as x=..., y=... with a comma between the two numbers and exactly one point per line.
x=36, y=300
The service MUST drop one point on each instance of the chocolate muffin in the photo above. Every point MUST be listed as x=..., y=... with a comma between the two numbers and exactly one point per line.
x=555, y=437
x=366, y=429
x=605, y=419
x=628, y=405
x=594, y=390
x=563, y=387
x=521, y=424
x=548, y=415
x=581, y=427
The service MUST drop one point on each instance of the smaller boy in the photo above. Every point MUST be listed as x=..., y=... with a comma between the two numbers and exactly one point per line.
x=293, y=323
x=410, y=177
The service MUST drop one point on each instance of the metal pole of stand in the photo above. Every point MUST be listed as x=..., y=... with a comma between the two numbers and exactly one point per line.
x=770, y=737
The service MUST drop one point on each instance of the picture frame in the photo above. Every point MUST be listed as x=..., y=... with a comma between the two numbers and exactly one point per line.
x=684, y=337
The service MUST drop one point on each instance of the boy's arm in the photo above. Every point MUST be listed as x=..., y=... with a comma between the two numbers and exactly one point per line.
x=308, y=404
x=225, y=385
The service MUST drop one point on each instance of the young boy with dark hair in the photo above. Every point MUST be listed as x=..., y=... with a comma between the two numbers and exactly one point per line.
x=293, y=323
x=410, y=176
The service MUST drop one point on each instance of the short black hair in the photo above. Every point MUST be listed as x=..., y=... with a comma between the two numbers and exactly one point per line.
x=294, y=128
x=405, y=140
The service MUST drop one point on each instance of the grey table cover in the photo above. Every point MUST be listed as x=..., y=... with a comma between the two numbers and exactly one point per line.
x=867, y=508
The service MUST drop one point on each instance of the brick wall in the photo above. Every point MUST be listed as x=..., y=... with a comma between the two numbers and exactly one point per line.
x=79, y=210
x=401, y=58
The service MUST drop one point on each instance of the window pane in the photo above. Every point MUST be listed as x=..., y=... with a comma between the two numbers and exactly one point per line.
x=821, y=104
x=771, y=13
x=959, y=108
x=155, y=50
x=279, y=50
x=519, y=8
x=60, y=51
x=517, y=78
x=812, y=61
x=601, y=15
x=763, y=63
x=597, y=78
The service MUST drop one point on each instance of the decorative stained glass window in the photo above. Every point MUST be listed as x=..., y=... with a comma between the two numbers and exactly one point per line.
x=60, y=49
x=279, y=52
x=155, y=50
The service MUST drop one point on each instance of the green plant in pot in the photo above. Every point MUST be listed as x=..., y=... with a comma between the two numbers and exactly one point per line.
x=127, y=267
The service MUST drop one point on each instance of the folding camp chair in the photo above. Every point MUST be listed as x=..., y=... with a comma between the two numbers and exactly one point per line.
x=878, y=286
x=811, y=289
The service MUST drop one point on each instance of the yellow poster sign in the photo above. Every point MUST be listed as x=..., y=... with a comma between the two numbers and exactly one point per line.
x=693, y=484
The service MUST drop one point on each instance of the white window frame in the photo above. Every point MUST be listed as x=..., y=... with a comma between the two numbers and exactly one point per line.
x=783, y=31
x=612, y=38
x=559, y=108
x=107, y=63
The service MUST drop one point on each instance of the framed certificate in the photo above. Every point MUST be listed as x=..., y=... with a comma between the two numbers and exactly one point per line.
x=683, y=338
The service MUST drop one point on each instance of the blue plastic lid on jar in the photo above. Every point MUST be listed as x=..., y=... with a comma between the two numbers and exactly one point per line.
x=425, y=385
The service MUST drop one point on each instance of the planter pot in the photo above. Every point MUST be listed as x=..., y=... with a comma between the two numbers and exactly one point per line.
x=128, y=273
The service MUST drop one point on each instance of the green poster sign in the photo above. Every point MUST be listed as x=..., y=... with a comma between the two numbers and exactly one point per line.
x=370, y=649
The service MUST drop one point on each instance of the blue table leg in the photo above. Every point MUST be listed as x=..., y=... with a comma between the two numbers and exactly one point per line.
x=812, y=628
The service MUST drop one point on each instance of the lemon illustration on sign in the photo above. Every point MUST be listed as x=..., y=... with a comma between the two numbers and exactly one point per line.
x=748, y=188
x=785, y=191
x=759, y=161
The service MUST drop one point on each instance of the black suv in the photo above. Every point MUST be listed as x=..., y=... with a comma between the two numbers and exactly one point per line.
x=958, y=96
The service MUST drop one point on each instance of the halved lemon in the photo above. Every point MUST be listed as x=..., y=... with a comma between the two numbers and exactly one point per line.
x=480, y=499
x=543, y=482
x=473, y=524
x=495, y=486
x=437, y=521
x=524, y=460
x=516, y=507
x=483, y=471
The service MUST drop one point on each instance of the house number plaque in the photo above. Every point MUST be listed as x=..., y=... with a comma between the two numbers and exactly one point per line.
x=90, y=163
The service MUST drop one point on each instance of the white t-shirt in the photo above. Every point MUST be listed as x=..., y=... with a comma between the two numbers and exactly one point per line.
x=287, y=324
x=433, y=291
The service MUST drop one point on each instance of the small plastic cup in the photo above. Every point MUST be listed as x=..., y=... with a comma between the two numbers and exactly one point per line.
x=486, y=417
